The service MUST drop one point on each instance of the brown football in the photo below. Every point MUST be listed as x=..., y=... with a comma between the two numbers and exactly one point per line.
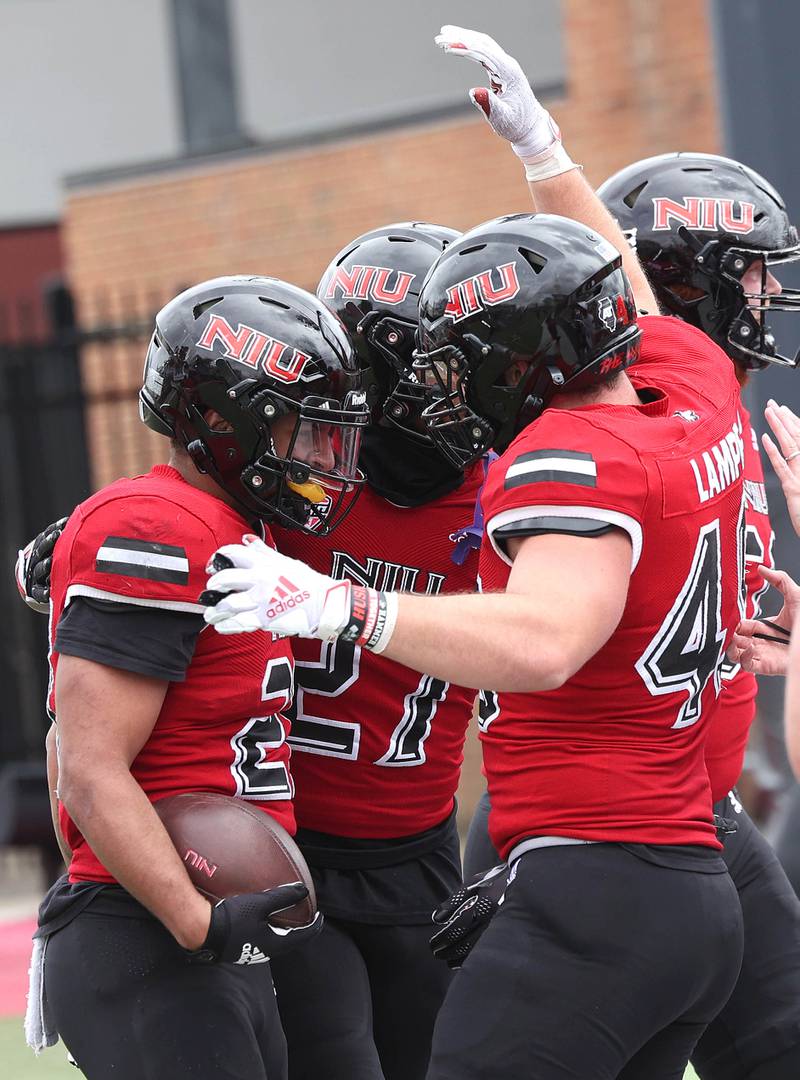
x=229, y=847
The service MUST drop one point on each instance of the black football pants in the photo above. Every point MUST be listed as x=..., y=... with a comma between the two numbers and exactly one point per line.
x=757, y=1035
x=598, y=966
x=129, y=1006
x=361, y=1004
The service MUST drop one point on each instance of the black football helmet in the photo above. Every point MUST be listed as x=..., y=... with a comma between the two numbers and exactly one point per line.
x=531, y=289
x=256, y=349
x=698, y=222
x=373, y=285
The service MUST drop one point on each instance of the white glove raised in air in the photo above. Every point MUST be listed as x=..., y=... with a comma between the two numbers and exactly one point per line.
x=254, y=587
x=511, y=107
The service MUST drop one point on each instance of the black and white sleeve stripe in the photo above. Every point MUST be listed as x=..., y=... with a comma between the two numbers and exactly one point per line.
x=143, y=559
x=559, y=466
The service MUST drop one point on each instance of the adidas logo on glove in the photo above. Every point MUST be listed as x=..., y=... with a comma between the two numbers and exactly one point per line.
x=251, y=954
x=286, y=597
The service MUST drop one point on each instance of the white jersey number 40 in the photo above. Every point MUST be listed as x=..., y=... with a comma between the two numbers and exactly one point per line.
x=687, y=649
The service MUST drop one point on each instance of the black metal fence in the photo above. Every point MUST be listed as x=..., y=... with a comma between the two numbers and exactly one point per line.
x=68, y=424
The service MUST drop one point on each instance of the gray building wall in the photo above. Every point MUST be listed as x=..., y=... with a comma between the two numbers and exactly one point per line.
x=93, y=84
x=313, y=65
x=84, y=84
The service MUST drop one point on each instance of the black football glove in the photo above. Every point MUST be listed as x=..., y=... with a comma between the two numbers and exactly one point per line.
x=33, y=567
x=465, y=915
x=241, y=933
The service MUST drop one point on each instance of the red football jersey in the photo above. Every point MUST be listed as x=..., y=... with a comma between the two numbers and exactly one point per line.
x=729, y=725
x=377, y=748
x=146, y=541
x=735, y=712
x=617, y=753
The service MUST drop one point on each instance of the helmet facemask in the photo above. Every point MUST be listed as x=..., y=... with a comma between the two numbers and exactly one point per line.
x=400, y=398
x=458, y=432
x=733, y=315
x=311, y=482
x=750, y=335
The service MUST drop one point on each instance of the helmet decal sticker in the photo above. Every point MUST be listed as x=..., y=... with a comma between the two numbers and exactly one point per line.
x=365, y=282
x=707, y=214
x=478, y=292
x=606, y=313
x=254, y=348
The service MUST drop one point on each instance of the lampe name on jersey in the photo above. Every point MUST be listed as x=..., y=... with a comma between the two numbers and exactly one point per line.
x=387, y=717
x=600, y=466
x=144, y=543
x=727, y=734
x=701, y=224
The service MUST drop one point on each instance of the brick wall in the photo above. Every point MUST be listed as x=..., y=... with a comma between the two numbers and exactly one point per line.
x=639, y=81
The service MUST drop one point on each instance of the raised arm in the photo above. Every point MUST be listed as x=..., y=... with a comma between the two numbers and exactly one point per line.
x=556, y=183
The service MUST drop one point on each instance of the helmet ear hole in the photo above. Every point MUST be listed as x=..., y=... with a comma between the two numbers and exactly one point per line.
x=216, y=422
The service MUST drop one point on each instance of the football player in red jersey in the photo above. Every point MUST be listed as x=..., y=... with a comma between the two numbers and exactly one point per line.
x=612, y=570
x=708, y=231
x=715, y=272
x=256, y=385
x=377, y=747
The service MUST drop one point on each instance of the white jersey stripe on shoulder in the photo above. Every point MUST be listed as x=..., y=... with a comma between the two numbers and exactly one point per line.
x=552, y=464
x=143, y=558
x=137, y=601
x=594, y=513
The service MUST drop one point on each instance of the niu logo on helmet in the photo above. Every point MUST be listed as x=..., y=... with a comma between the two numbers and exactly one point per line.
x=365, y=282
x=709, y=215
x=254, y=348
x=478, y=292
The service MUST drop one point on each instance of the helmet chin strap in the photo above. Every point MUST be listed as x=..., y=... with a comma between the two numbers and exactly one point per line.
x=201, y=459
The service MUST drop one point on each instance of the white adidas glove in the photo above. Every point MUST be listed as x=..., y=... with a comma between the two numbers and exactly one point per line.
x=260, y=589
x=510, y=107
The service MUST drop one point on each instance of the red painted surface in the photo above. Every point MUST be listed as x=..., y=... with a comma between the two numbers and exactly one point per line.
x=15, y=955
x=29, y=257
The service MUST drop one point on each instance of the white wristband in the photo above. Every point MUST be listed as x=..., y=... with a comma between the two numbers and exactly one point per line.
x=382, y=634
x=551, y=162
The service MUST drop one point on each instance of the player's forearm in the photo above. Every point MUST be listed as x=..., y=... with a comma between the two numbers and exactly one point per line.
x=513, y=111
x=570, y=195
x=52, y=791
x=485, y=641
x=124, y=831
